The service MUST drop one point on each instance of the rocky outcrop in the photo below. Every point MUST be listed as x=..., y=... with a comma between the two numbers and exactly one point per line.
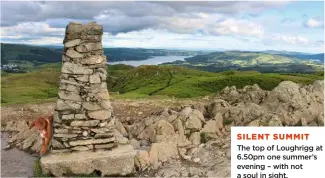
x=194, y=140
x=288, y=104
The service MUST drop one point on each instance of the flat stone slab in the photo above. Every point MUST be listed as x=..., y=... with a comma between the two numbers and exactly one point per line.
x=118, y=161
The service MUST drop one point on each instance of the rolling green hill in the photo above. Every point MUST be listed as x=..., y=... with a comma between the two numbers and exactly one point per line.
x=243, y=60
x=27, y=56
x=181, y=82
x=41, y=84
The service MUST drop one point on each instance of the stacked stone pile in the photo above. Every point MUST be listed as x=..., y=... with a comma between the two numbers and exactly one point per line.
x=83, y=117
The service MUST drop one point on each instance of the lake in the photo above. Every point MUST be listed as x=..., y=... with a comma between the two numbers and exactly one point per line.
x=152, y=61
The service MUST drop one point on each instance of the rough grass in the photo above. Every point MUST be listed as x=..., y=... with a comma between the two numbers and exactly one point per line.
x=160, y=82
x=187, y=83
x=39, y=85
x=38, y=170
x=29, y=87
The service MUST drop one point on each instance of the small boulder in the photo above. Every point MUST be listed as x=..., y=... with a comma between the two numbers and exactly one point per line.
x=142, y=160
x=135, y=143
x=119, y=126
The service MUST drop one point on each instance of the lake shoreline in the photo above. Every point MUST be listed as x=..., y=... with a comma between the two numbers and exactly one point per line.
x=156, y=60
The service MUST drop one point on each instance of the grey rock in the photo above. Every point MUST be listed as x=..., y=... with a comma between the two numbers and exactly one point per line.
x=120, y=139
x=29, y=141
x=72, y=88
x=56, y=151
x=69, y=96
x=71, y=68
x=142, y=160
x=73, y=54
x=119, y=126
x=164, y=131
x=100, y=114
x=61, y=131
x=93, y=59
x=72, y=43
x=104, y=95
x=88, y=123
x=110, y=145
x=135, y=143
x=210, y=127
x=219, y=120
x=24, y=134
x=66, y=58
x=275, y=121
x=106, y=104
x=65, y=135
x=193, y=122
x=85, y=133
x=91, y=106
x=37, y=146
x=185, y=113
x=67, y=117
x=119, y=161
x=80, y=148
x=84, y=78
x=80, y=116
x=57, y=144
x=74, y=28
x=162, y=152
x=91, y=141
x=95, y=78
x=87, y=47
x=104, y=135
x=100, y=130
x=66, y=145
x=218, y=106
x=63, y=81
x=56, y=118
x=195, y=138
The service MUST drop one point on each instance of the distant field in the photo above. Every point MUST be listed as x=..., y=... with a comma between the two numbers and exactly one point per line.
x=41, y=84
x=180, y=82
x=259, y=61
x=35, y=86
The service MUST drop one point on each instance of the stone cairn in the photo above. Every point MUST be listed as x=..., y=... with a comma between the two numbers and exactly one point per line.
x=83, y=117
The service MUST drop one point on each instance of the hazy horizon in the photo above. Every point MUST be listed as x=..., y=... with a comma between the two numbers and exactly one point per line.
x=210, y=26
x=184, y=49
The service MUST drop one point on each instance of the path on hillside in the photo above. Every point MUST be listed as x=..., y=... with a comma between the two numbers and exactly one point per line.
x=15, y=163
x=124, y=109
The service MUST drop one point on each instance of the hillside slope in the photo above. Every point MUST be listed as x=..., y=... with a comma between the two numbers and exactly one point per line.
x=182, y=82
x=243, y=60
x=141, y=82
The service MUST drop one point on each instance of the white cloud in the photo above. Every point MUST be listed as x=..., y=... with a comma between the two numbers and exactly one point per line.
x=290, y=39
x=313, y=23
x=37, y=41
x=27, y=29
x=237, y=27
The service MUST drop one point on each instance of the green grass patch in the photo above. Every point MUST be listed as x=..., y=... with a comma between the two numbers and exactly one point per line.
x=38, y=170
x=203, y=137
x=160, y=82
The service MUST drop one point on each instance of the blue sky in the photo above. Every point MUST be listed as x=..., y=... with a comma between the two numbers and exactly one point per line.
x=278, y=25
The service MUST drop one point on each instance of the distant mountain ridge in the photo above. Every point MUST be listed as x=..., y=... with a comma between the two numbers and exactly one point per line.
x=249, y=60
x=46, y=54
x=298, y=55
x=264, y=61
